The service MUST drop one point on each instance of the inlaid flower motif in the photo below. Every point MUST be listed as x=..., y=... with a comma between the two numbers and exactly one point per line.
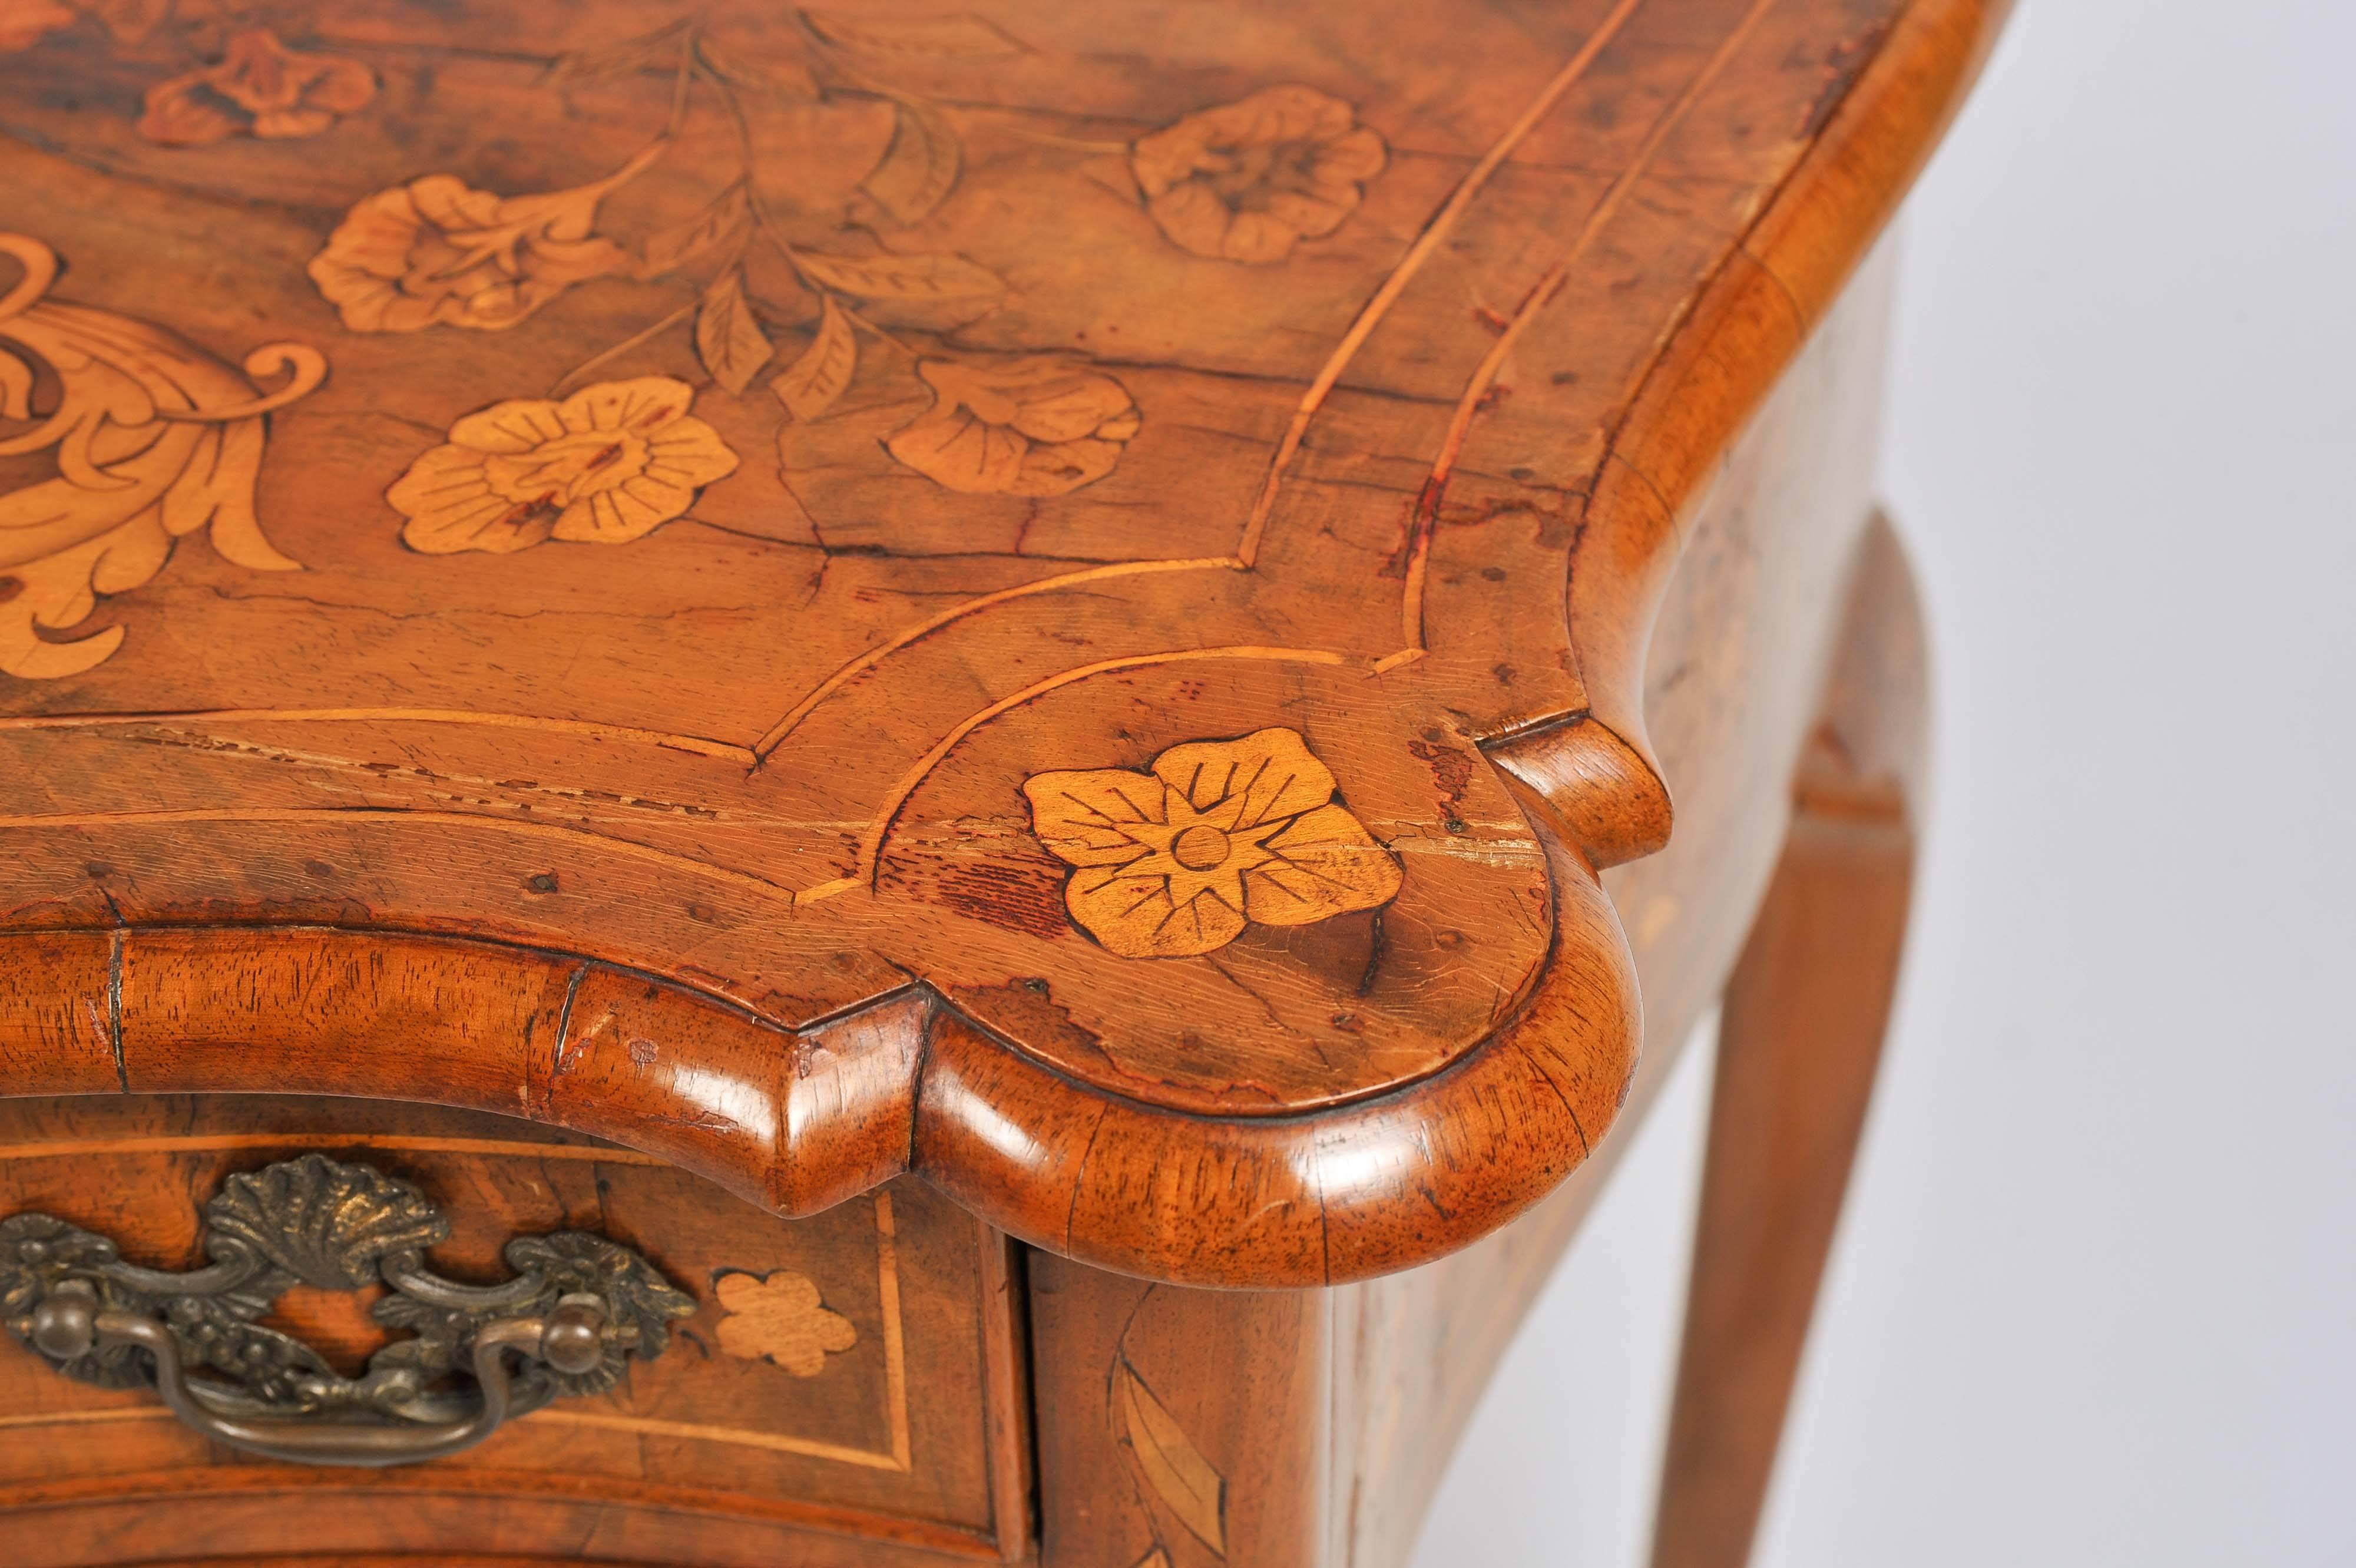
x=777, y=1318
x=22, y=22
x=260, y=88
x=1218, y=835
x=609, y=464
x=1036, y=427
x=437, y=250
x=1246, y=180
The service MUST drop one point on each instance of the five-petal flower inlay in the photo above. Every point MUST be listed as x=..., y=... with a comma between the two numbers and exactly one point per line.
x=1218, y=835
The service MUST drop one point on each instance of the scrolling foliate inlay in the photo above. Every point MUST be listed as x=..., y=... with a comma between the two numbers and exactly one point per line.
x=147, y=438
x=1219, y=835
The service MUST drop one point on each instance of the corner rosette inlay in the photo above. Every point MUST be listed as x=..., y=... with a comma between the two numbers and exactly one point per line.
x=1218, y=835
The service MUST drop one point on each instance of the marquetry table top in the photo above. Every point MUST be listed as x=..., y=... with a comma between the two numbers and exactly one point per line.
x=1039, y=534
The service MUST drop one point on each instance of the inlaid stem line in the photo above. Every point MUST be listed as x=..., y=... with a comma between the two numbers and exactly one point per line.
x=896, y=1347
x=364, y=815
x=1533, y=304
x=883, y=650
x=697, y=745
x=221, y=1142
x=1435, y=232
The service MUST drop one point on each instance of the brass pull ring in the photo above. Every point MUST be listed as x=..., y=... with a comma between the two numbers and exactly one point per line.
x=579, y=1306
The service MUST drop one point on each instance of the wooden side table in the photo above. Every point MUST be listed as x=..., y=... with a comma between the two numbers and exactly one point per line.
x=1053, y=641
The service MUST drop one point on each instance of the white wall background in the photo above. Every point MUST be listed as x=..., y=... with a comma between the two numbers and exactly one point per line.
x=2094, y=1299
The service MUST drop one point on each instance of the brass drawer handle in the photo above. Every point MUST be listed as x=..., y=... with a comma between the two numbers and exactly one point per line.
x=578, y=1307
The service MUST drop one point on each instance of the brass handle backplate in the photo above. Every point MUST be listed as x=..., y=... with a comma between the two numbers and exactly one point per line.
x=578, y=1307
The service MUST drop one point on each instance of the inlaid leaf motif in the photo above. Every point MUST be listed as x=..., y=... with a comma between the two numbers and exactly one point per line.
x=958, y=35
x=1157, y=1558
x=728, y=340
x=721, y=220
x=778, y=78
x=778, y=1317
x=1177, y=1471
x=903, y=277
x=920, y=168
x=810, y=386
x=1219, y=835
x=650, y=50
x=129, y=21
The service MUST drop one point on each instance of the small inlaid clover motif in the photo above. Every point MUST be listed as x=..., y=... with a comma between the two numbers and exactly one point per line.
x=1246, y=180
x=260, y=88
x=609, y=464
x=1024, y=427
x=777, y=1317
x=1220, y=835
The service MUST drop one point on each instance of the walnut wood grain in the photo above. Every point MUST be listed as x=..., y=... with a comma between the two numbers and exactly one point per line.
x=1179, y=1428
x=708, y=831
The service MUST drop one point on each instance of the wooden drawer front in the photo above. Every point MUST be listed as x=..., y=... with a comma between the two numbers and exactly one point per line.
x=874, y=1413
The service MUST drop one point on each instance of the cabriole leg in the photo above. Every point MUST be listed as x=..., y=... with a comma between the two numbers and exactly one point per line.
x=1798, y=1045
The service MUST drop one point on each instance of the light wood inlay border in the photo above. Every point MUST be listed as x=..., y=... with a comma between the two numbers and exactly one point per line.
x=85, y=1417
x=896, y=1345
x=169, y=1144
